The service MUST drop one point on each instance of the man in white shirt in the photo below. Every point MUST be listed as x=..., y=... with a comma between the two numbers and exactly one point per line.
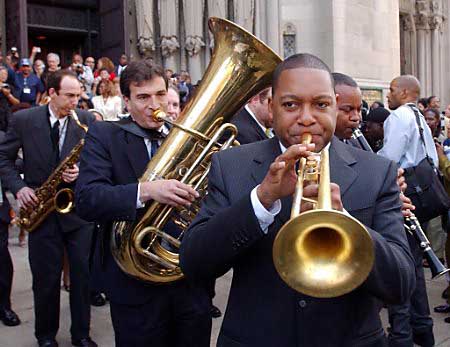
x=402, y=144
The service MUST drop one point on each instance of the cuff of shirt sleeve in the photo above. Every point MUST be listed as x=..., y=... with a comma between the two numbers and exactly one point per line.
x=265, y=217
x=139, y=204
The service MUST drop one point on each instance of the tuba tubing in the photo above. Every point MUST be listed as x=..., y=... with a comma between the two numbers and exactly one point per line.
x=240, y=67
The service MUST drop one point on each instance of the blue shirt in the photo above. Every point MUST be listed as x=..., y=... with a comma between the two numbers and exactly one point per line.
x=27, y=88
x=402, y=142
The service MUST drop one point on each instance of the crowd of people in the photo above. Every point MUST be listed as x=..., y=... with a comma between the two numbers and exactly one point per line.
x=250, y=185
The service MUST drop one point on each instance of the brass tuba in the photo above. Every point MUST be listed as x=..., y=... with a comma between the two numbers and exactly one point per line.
x=322, y=253
x=50, y=198
x=240, y=67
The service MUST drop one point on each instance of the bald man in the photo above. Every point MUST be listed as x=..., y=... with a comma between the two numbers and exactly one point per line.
x=402, y=142
x=410, y=322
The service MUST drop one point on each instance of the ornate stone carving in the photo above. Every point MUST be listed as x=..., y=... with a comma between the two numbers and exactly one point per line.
x=169, y=45
x=434, y=6
x=408, y=23
x=194, y=44
x=435, y=22
x=289, y=29
x=146, y=45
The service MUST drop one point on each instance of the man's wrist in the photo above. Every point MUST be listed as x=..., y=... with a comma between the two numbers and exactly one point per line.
x=264, y=198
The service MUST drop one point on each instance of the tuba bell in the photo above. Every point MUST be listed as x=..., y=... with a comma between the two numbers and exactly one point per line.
x=322, y=252
x=240, y=66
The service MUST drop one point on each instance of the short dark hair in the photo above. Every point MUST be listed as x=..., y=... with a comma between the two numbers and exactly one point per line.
x=54, y=79
x=138, y=72
x=343, y=79
x=431, y=98
x=300, y=60
x=423, y=101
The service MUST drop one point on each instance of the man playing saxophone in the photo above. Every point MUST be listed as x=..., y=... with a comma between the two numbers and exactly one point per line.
x=47, y=135
x=114, y=158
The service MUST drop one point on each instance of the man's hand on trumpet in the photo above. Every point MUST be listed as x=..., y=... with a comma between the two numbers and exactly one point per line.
x=281, y=179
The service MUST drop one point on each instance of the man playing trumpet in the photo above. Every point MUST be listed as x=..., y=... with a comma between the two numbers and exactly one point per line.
x=252, y=186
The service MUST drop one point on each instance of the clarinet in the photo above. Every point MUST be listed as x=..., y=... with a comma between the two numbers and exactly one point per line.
x=358, y=136
x=412, y=226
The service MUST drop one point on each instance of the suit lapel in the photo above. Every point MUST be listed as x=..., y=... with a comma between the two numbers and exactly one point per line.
x=41, y=137
x=137, y=153
x=341, y=161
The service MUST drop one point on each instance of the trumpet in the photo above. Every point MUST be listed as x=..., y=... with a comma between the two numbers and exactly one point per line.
x=322, y=253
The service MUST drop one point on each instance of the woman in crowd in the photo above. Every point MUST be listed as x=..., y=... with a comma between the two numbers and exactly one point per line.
x=105, y=63
x=106, y=101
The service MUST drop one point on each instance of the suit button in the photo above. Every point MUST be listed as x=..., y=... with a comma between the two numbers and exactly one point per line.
x=302, y=303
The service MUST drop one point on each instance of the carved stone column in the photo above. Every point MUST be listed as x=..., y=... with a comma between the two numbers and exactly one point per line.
x=144, y=21
x=435, y=25
x=409, y=43
x=422, y=26
x=169, y=31
x=273, y=13
x=244, y=14
x=194, y=41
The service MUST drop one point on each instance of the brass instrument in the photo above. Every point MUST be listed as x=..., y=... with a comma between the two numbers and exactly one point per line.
x=240, y=67
x=50, y=198
x=322, y=252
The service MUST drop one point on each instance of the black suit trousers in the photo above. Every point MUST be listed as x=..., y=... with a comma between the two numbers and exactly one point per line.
x=6, y=268
x=46, y=251
x=177, y=318
x=412, y=321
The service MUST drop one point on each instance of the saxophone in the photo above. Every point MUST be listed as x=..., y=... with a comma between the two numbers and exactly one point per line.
x=49, y=197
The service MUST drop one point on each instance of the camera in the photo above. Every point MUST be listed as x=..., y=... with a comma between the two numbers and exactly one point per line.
x=38, y=49
x=14, y=49
x=4, y=85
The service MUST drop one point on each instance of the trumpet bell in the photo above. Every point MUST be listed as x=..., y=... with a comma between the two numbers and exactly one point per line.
x=323, y=253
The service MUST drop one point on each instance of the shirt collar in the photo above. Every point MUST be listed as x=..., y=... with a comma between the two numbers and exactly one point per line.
x=283, y=149
x=254, y=117
x=53, y=118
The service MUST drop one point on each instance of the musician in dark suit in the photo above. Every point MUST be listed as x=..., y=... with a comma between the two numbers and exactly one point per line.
x=7, y=315
x=254, y=123
x=249, y=198
x=46, y=135
x=410, y=322
x=114, y=158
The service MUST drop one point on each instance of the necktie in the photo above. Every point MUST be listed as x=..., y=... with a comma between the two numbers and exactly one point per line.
x=268, y=132
x=54, y=133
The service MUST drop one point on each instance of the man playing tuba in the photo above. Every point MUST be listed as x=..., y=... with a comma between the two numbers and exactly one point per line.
x=114, y=158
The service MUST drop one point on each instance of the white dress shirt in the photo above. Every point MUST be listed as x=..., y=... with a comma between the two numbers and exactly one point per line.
x=110, y=109
x=402, y=142
x=62, y=127
x=148, y=143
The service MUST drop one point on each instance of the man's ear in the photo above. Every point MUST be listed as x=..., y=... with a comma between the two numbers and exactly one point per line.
x=52, y=92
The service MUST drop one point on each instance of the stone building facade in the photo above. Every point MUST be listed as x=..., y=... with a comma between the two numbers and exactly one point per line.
x=371, y=40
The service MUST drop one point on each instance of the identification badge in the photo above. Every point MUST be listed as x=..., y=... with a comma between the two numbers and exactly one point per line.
x=26, y=90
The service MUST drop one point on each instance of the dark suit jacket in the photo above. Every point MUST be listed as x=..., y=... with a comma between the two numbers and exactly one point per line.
x=30, y=130
x=112, y=161
x=262, y=310
x=248, y=129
